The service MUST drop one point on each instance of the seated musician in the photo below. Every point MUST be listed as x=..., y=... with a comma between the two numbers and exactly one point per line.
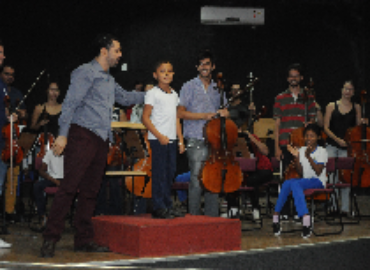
x=310, y=162
x=51, y=172
x=339, y=117
x=239, y=114
x=7, y=74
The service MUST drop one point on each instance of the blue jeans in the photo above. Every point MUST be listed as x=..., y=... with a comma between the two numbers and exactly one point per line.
x=197, y=153
x=344, y=192
x=297, y=186
x=163, y=173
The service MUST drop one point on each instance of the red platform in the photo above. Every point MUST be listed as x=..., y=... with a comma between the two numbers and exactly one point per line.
x=143, y=236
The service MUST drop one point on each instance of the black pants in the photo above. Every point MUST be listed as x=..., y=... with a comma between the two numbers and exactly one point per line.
x=255, y=180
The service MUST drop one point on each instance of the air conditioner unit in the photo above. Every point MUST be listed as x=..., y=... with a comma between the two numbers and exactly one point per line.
x=232, y=15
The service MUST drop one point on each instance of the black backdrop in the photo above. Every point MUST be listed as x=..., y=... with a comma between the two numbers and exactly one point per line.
x=329, y=38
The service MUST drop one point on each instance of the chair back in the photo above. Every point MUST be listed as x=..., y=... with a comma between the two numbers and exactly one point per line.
x=345, y=163
x=247, y=164
x=330, y=166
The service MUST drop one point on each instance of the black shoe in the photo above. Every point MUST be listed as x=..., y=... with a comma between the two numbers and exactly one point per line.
x=47, y=249
x=276, y=228
x=175, y=212
x=91, y=247
x=161, y=213
x=306, y=232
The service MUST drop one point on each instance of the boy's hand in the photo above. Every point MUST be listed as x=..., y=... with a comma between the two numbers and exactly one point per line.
x=163, y=140
x=181, y=148
x=293, y=150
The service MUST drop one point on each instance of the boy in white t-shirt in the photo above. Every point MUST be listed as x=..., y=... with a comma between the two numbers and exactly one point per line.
x=310, y=162
x=52, y=172
x=160, y=118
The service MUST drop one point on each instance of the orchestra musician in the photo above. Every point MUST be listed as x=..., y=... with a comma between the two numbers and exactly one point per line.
x=239, y=113
x=3, y=167
x=15, y=96
x=289, y=114
x=85, y=128
x=340, y=116
x=199, y=102
x=46, y=115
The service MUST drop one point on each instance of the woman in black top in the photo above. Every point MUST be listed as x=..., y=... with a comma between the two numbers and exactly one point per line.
x=340, y=116
x=46, y=115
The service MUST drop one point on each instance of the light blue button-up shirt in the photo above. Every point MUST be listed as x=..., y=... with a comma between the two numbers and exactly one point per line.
x=196, y=99
x=90, y=99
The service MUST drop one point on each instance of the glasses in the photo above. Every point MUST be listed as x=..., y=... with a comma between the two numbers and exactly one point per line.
x=296, y=76
x=201, y=64
x=9, y=74
x=349, y=89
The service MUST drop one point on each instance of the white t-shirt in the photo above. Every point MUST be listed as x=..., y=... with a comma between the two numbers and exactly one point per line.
x=55, y=164
x=164, y=111
x=319, y=156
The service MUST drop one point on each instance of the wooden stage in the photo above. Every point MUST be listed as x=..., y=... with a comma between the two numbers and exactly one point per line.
x=26, y=243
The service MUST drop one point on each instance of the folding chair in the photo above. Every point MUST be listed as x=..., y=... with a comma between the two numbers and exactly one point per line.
x=312, y=195
x=347, y=163
x=247, y=165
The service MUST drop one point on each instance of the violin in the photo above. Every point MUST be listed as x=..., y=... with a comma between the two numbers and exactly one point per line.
x=357, y=139
x=221, y=173
x=142, y=185
x=44, y=140
x=12, y=152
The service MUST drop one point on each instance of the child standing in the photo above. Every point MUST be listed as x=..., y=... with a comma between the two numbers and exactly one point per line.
x=310, y=162
x=159, y=117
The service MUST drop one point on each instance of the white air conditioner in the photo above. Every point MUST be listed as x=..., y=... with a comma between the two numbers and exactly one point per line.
x=232, y=15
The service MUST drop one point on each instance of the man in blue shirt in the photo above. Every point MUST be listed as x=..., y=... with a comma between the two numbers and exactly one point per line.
x=85, y=124
x=3, y=167
x=199, y=102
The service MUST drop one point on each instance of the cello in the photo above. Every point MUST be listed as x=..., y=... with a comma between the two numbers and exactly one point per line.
x=221, y=173
x=142, y=186
x=357, y=139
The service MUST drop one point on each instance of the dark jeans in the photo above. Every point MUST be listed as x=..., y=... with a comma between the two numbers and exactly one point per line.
x=255, y=180
x=39, y=194
x=84, y=162
x=163, y=173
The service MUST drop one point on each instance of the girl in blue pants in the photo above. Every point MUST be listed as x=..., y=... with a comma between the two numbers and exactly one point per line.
x=310, y=162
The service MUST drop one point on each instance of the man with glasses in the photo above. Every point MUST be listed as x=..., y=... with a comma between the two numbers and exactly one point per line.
x=7, y=75
x=199, y=102
x=289, y=114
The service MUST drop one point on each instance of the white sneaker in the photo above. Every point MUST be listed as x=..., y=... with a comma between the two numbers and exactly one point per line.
x=4, y=244
x=256, y=214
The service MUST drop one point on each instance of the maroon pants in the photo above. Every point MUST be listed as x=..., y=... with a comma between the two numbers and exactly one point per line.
x=84, y=160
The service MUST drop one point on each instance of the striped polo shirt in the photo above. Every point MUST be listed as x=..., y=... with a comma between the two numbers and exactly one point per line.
x=291, y=113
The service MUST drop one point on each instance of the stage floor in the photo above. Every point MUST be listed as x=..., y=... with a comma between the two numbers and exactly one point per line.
x=26, y=243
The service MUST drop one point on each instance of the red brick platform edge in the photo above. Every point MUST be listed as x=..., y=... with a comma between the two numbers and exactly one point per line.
x=142, y=236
